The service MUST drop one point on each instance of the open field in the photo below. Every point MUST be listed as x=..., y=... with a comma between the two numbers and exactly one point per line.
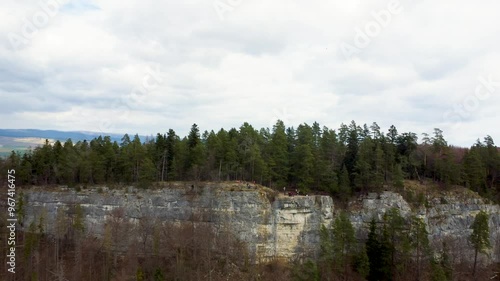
x=21, y=144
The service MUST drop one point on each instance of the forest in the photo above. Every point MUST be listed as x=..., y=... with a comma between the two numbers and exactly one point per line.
x=342, y=162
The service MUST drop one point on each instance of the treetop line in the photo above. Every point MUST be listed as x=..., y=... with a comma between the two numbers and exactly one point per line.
x=351, y=159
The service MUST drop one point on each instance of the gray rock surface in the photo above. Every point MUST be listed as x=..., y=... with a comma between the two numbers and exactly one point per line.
x=287, y=227
x=448, y=219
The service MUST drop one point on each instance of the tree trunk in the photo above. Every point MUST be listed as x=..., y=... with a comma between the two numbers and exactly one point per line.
x=418, y=261
x=475, y=263
x=163, y=165
x=220, y=168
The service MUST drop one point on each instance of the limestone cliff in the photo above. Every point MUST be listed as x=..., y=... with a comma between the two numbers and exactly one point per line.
x=448, y=216
x=273, y=226
x=281, y=228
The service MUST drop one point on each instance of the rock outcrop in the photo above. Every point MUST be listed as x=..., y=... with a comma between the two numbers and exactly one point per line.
x=448, y=217
x=271, y=225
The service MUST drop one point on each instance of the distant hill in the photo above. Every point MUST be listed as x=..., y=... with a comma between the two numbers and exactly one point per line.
x=22, y=139
x=55, y=135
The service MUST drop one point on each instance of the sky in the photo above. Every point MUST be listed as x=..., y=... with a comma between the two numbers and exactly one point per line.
x=144, y=66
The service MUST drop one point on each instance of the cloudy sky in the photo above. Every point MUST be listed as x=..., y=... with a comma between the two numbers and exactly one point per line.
x=143, y=66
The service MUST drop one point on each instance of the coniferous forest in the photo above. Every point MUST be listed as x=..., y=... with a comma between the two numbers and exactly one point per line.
x=341, y=162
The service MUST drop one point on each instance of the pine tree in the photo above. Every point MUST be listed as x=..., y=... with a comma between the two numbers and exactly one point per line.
x=474, y=169
x=392, y=135
x=249, y=151
x=378, y=167
x=328, y=161
x=362, y=262
x=373, y=250
x=389, y=150
x=233, y=165
x=69, y=163
x=125, y=163
x=364, y=175
x=171, y=141
x=84, y=170
x=319, y=164
x=147, y=172
x=57, y=150
x=375, y=130
x=303, y=160
x=351, y=156
x=110, y=154
x=386, y=255
x=480, y=236
x=97, y=161
x=278, y=150
x=343, y=243
x=344, y=188
x=326, y=247
x=398, y=178
x=492, y=161
x=25, y=172
x=43, y=163
x=419, y=241
x=138, y=155
x=397, y=240
x=195, y=148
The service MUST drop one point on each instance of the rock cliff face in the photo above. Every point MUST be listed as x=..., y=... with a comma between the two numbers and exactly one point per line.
x=282, y=228
x=272, y=226
x=448, y=217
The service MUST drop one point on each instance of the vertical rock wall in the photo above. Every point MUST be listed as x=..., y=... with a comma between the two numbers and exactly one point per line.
x=285, y=228
x=279, y=227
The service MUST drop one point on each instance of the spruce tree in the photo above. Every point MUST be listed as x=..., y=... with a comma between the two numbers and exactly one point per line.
x=480, y=236
x=419, y=241
x=373, y=248
x=343, y=243
x=278, y=150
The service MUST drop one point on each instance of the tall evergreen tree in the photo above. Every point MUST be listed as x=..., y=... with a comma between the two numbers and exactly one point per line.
x=170, y=146
x=419, y=241
x=364, y=175
x=303, y=160
x=195, y=155
x=378, y=253
x=328, y=162
x=343, y=185
x=125, y=160
x=343, y=243
x=278, y=148
x=351, y=156
x=480, y=236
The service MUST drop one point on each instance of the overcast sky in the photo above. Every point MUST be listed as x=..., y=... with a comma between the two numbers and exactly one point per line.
x=144, y=66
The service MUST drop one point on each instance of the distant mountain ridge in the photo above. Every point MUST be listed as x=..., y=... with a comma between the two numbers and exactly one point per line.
x=21, y=140
x=56, y=135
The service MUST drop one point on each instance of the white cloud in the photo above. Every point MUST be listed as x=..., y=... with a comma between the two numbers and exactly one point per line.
x=265, y=60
